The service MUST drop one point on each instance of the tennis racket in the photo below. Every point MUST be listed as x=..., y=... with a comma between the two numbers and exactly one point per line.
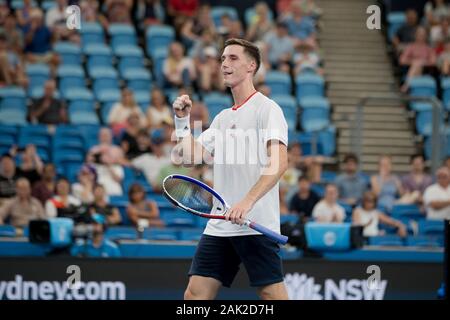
x=198, y=198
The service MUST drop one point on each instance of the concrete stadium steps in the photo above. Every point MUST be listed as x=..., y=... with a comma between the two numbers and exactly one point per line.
x=356, y=64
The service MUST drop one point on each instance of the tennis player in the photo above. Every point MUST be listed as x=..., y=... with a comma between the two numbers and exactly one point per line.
x=246, y=177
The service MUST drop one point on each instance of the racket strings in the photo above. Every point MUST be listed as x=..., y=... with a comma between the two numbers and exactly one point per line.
x=190, y=195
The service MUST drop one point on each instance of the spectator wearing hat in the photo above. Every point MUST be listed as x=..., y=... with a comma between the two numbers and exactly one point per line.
x=158, y=111
x=98, y=246
x=84, y=188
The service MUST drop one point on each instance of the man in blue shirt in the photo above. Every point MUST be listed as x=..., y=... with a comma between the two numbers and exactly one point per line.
x=98, y=246
x=351, y=184
x=301, y=28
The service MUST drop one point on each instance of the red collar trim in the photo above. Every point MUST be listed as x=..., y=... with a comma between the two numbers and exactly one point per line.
x=234, y=108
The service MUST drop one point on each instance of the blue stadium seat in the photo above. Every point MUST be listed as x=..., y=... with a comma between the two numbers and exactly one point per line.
x=387, y=240
x=423, y=86
x=158, y=37
x=159, y=234
x=70, y=77
x=424, y=122
x=431, y=227
x=328, y=176
x=291, y=218
x=48, y=4
x=395, y=21
x=38, y=74
x=424, y=241
x=176, y=217
x=66, y=143
x=12, y=98
x=445, y=84
x=138, y=79
x=216, y=102
x=406, y=211
x=91, y=32
x=142, y=98
x=289, y=106
x=318, y=188
x=190, y=234
x=315, y=114
x=13, y=117
x=308, y=85
x=71, y=171
x=159, y=55
x=218, y=11
x=7, y=231
x=278, y=82
x=121, y=232
x=98, y=55
x=77, y=94
x=18, y=4
x=104, y=78
x=122, y=35
x=129, y=57
x=66, y=157
x=69, y=52
x=83, y=117
x=327, y=141
x=420, y=106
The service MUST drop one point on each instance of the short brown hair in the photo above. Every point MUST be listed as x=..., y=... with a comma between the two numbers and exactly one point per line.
x=249, y=48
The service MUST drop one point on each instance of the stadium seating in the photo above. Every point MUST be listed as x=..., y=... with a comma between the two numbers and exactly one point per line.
x=70, y=53
x=158, y=37
x=278, y=82
x=92, y=33
x=122, y=35
x=387, y=240
x=308, y=85
x=395, y=21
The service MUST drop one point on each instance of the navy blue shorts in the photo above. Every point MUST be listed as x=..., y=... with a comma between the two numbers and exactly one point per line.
x=220, y=257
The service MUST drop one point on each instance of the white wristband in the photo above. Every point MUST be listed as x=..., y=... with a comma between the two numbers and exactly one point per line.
x=182, y=126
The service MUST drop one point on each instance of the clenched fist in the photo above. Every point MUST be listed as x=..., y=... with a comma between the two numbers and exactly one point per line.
x=182, y=106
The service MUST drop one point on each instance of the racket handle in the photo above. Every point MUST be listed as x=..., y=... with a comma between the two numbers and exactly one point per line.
x=267, y=232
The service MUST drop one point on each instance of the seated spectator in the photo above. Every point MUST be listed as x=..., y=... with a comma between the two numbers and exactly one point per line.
x=304, y=201
x=98, y=246
x=90, y=12
x=24, y=14
x=178, y=69
x=11, y=68
x=22, y=208
x=83, y=190
x=101, y=206
x=135, y=140
x=415, y=182
x=368, y=216
x=8, y=177
x=148, y=12
x=311, y=9
x=194, y=29
x=350, y=183
x=440, y=34
x=386, y=186
x=306, y=59
x=31, y=165
x=63, y=204
x=417, y=56
x=14, y=36
x=310, y=166
x=44, y=189
x=38, y=41
x=210, y=75
x=443, y=62
x=120, y=112
x=181, y=10
x=151, y=163
x=300, y=26
x=108, y=160
x=158, y=111
x=48, y=109
x=437, y=196
x=435, y=10
x=55, y=20
x=260, y=24
x=119, y=11
x=142, y=212
x=5, y=11
x=328, y=210
x=279, y=46
x=406, y=33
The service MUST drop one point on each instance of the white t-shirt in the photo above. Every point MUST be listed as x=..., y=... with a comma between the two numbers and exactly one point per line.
x=105, y=178
x=238, y=139
x=372, y=216
x=325, y=212
x=436, y=193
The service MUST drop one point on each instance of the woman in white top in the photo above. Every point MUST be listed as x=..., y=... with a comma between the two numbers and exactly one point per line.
x=84, y=188
x=328, y=210
x=159, y=111
x=62, y=200
x=369, y=217
x=120, y=112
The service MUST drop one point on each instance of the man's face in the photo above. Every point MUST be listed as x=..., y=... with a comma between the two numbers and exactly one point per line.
x=418, y=165
x=331, y=194
x=411, y=17
x=8, y=166
x=236, y=65
x=350, y=166
x=443, y=178
x=23, y=189
x=304, y=185
x=99, y=193
x=105, y=136
x=49, y=88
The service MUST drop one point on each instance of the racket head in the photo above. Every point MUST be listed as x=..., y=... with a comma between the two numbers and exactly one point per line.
x=194, y=196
